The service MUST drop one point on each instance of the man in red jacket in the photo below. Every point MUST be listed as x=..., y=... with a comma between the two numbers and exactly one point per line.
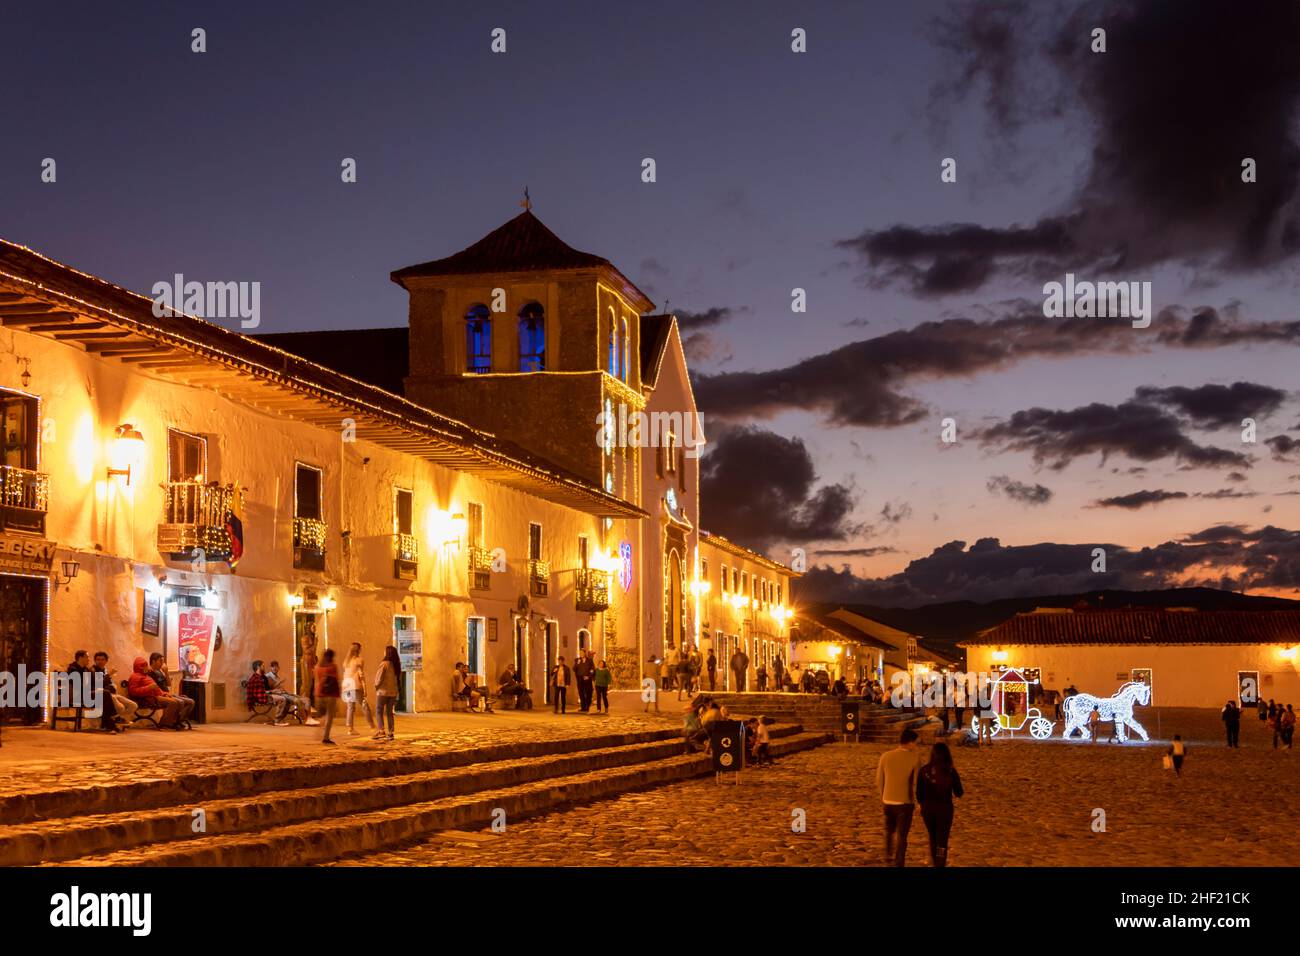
x=142, y=689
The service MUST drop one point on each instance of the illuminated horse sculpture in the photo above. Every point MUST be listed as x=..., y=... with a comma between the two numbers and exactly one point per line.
x=1118, y=708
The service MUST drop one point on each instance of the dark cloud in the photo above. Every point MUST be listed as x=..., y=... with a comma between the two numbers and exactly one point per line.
x=1217, y=406
x=1019, y=491
x=1183, y=93
x=1142, y=432
x=1140, y=499
x=1235, y=476
x=758, y=488
x=856, y=552
x=709, y=318
x=864, y=383
x=1226, y=493
x=1226, y=556
x=895, y=514
x=1283, y=447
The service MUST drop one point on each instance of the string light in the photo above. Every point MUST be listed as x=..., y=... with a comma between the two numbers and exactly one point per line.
x=1118, y=709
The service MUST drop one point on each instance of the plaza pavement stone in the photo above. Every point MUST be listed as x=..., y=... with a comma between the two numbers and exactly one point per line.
x=1028, y=803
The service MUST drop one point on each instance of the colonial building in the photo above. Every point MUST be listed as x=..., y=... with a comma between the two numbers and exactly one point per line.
x=744, y=605
x=1190, y=658
x=173, y=485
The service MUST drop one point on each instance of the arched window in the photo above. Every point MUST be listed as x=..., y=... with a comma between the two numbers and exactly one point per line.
x=613, y=344
x=627, y=353
x=478, y=339
x=532, y=338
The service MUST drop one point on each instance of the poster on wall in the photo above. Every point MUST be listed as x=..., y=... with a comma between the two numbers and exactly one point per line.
x=152, y=612
x=195, y=630
x=410, y=649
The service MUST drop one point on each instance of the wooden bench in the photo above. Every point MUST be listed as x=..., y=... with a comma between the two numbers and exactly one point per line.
x=73, y=718
x=143, y=712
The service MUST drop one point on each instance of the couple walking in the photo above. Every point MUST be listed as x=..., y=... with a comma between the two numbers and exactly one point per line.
x=903, y=781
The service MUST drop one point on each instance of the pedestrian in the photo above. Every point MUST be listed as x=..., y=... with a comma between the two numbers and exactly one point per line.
x=387, y=680
x=1232, y=724
x=1272, y=709
x=649, y=689
x=1275, y=724
x=896, y=776
x=561, y=678
x=763, y=742
x=683, y=672
x=1261, y=708
x=584, y=669
x=354, y=688
x=740, y=667
x=327, y=692
x=987, y=716
x=601, y=680
x=666, y=670
x=1287, y=720
x=761, y=676
x=778, y=673
x=1177, y=753
x=1094, y=723
x=937, y=783
x=711, y=665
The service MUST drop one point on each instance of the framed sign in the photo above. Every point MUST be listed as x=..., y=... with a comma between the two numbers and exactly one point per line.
x=195, y=631
x=410, y=649
x=1248, y=688
x=152, y=611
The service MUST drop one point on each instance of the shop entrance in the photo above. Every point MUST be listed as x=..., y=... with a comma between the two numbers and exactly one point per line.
x=22, y=637
x=550, y=652
x=521, y=653
x=410, y=651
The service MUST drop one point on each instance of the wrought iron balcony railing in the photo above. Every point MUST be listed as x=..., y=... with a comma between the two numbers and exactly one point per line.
x=591, y=590
x=539, y=576
x=24, y=499
x=309, y=544
x=194, y=519
x=480, y=568
x=406, y=556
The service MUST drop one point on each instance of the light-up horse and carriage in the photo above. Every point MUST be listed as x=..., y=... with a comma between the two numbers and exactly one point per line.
x=1009, y=696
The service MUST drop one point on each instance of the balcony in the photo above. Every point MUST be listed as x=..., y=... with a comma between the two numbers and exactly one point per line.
x=24, y=499
x=591, y=590
x=480, y=568
x=194, y=520
x=406, y=556
x=309, y=544
x=539, y=577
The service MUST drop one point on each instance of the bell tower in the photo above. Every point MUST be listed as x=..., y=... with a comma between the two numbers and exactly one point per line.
x=524, y=336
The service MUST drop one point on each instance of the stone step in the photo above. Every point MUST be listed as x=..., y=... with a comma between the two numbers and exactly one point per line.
x=65, y=839
x=147, y=792
x=327, y=838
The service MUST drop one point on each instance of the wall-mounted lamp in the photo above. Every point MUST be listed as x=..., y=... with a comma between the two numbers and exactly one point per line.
x=328, y=604
x=295, y=600
x=127, y=446
x=999, y=655
x=27, y=370
x=1287, y=653
x=70, y=569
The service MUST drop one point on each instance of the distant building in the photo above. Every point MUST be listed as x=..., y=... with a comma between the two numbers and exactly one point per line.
x=846, y=642
x=1191, y=658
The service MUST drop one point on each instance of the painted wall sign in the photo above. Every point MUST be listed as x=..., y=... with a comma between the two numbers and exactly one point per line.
x=196, y=628
x=152, y=612
x=26, y=555
x=625, y=565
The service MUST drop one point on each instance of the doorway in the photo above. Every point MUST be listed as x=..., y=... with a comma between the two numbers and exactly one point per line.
x=404, y=642
x=22, y=638
x=306, y=653
x=474, y=648
x=549, y=653
x=521, y=653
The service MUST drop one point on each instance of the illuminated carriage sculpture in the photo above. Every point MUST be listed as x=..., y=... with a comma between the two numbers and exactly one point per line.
x=1011, y=710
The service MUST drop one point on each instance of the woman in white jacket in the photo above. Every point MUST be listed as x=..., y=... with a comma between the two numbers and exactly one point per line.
x=354, y=688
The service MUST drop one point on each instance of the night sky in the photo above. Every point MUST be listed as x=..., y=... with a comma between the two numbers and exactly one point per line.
x=775, y=170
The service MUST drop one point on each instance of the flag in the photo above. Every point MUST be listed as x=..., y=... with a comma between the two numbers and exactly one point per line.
x=235, y=526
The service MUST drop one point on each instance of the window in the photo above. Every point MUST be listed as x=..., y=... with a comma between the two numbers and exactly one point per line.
x=403, y=510
x=478, y=339
x=670, y=452
x=307, y=493
x=474, y=646
x=534, y=541
x=582, y=551
x=744, y=583
x=475, y=524
x=613, y=360
x=480, y=563
x=778, y=594
x=704, y=569
x=532, y=338
x=187, y=456
x=539, y=571
x=18, y=419
x=724, y=577
x=735, y=580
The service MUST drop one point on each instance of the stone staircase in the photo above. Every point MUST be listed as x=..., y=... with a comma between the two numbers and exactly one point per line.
x=298, y=815
x=880, y=723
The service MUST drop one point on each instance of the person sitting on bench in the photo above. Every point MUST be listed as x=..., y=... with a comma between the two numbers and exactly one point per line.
x=255, y=692
x=125, y=707
x=279, y=693
x=510, y=686
x=78, y=670
x=145, y=691
x=462, y=688
x=158, y=671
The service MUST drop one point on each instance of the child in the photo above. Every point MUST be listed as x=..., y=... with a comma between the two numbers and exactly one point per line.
x=1094, y=723
x=751, y=740
x=1177, y=751
x=763, y=750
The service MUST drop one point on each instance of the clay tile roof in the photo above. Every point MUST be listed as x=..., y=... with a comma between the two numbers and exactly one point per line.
x=523, y=244
x=654, y=342
x=376, y=356
x=1146, y=626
